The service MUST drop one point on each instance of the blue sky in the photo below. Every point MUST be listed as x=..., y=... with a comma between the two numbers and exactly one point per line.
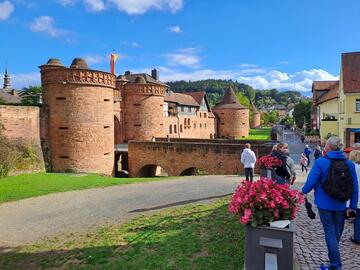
x=265, y=43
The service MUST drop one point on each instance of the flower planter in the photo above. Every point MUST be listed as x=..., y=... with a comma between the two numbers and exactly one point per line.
x=268, y=173
x=269, y=248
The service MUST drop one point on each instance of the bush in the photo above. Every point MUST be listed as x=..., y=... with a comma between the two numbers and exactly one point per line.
x=16, y=155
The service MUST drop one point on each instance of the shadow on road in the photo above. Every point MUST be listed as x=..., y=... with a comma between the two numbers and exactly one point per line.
x=178, y=203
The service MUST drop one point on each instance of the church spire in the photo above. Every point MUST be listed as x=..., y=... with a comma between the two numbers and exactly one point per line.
x=7, y=83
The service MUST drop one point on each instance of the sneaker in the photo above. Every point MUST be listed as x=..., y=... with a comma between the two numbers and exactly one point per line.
x=357, y=242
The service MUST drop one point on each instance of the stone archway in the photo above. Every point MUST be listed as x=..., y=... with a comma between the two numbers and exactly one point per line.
x=151, y=170
x=193, y=171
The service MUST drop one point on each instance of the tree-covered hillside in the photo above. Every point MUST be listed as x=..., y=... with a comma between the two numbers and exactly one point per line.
x=215, y=90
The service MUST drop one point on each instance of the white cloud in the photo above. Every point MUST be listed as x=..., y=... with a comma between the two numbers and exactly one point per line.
x=248, y=66
x=95, y=5
x=66, y=3
x=18, y=81
x=46, y=24
x=94, y=59
x=138, y=7
x=175, y=29
x=257, y=78
x=136, y=45
x=299, y=81
x=6, y=8
x=184, y=57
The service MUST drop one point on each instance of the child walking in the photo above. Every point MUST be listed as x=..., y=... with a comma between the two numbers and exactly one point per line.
x=303, y=162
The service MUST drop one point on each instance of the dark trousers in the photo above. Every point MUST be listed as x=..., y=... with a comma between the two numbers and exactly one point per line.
x=308, y=158
x=333, y=224
x=249, y=173
x=357, y=226
x=303, y=168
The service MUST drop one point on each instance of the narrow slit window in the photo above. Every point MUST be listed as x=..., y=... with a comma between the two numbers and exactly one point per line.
x=106, y=99
x=63, y=128
x=106, y=126
x=107, y=153
x=63, y=157
x=61, y=98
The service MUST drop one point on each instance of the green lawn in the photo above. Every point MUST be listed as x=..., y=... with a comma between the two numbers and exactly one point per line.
x=259, y=134
x=31, y=185
x=191, y=237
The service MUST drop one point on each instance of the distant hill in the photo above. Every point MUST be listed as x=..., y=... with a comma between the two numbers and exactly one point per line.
x=215, y=90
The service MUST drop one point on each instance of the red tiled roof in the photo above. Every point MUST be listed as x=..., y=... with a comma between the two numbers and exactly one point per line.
x=324, y=91
x=198, y=96
x=350, y=64
x=182, y=99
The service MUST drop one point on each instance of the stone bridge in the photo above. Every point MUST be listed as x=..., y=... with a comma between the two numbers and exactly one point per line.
x=186, y=157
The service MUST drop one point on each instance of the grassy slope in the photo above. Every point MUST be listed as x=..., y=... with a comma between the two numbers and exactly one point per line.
x=259, y=134
x=192, y=237
x=31, y=185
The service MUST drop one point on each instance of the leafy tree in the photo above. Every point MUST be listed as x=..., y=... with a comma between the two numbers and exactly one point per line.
x=243, y=99
x=269, y=118
x=2, y=101
x=302, y=111
x=31, y=95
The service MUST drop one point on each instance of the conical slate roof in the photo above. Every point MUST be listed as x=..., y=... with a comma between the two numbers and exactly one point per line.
x=229, y=101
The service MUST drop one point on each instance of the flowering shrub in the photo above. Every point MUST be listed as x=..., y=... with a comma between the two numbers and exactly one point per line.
x=264, y=201
x=269, y=162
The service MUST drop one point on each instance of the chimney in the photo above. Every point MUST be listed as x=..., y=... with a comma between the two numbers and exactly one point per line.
x=155, y=74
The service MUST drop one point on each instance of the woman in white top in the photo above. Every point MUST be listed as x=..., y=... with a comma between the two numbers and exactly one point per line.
x=355, y=157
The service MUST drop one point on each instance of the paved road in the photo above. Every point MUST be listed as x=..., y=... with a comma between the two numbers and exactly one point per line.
x=29, y=220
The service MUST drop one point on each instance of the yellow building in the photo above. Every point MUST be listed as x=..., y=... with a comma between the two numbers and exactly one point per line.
x=349, y=99
x=325, y=107
x=336, y=104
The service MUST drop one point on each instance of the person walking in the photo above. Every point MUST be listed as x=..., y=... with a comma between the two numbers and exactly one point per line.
x=355, y=157
x=282, y=172
x=307, y=152
x=317, y=152
x=303, y=162
x=330, y=197
x=290, y=166
x=248, y=158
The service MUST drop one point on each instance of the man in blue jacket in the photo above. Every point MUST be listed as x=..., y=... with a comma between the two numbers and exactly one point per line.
x=307, y=152
x=332, y=212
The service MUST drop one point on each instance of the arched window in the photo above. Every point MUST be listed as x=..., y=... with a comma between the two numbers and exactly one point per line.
x=184, y=121
x=175, y=130
x=170, y=129
x=181, y=130
x=189, y=122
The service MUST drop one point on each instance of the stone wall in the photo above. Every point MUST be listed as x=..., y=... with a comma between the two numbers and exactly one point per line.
x=21, y=122
x=178, y=157
x=233, y=123
x=143, y=111
x=190, y=126
x=78, y=113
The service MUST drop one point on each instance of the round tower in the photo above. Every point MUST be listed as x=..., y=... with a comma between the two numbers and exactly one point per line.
x=255, y=123
x=233, y=118
x=142, y=103
x=78, y=117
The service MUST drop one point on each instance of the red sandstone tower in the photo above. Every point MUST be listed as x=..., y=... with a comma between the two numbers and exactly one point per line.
x=77, y=130
x=142, y=103
x=255, y=123
x=233, y=118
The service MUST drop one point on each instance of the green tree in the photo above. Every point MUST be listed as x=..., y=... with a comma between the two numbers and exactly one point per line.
x=2, y=101
x=269, y=118
x=31, y=95
x=302, y=111
x=243, y=99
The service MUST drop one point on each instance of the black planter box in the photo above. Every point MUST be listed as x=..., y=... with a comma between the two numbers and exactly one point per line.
x=268, y=245
x=268, y=173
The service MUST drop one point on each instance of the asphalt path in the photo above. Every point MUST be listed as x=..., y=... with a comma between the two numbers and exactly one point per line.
x=30, y=220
